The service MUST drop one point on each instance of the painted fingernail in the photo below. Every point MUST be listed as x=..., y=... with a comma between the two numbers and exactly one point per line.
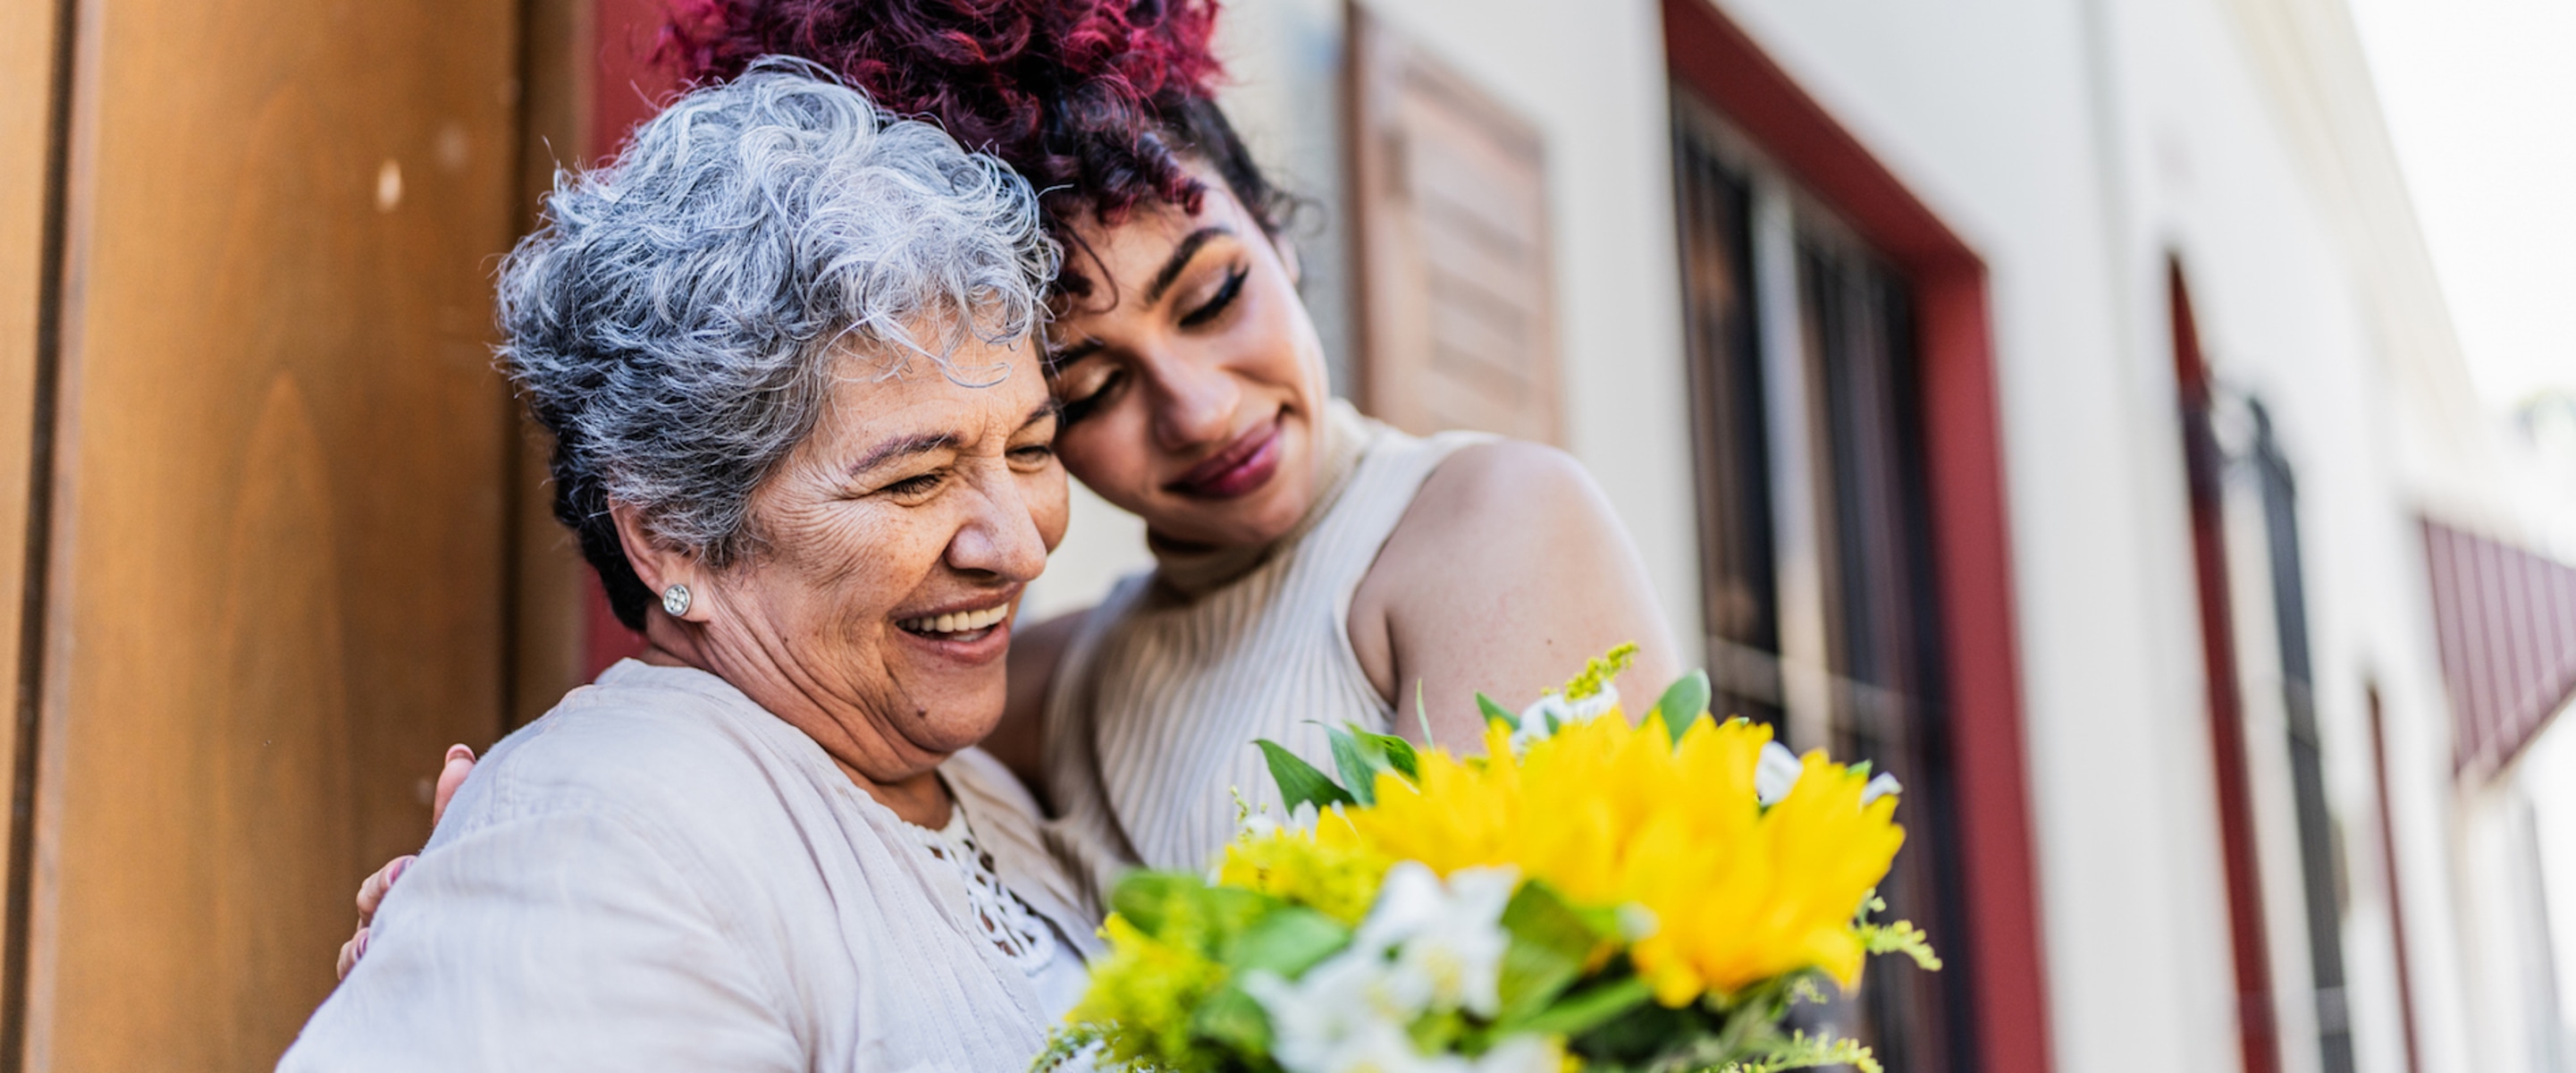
x=459, y=752
x=395, y=873
x=362, y=945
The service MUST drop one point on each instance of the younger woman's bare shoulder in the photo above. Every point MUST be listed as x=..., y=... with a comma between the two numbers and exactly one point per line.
x=1500, y=480
x=1501, y=532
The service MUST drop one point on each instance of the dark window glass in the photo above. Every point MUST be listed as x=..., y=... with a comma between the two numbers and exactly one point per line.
x=1739, y=585
x=1882, y=634
x=2320, y=857
x=1861, y=430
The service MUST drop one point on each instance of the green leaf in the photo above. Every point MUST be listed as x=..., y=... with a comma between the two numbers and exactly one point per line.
x=1550, y=942
x=1181, y=907
x=1684, y=702
x=1361, y=755
x=1422, y=712
x=1233, y=1018
x=1359, y=774
x=1590, y=1009
x=1494, y=711
x=1146, y=898
x=1288, y=941
x=1389, y=752
x=1299, y=782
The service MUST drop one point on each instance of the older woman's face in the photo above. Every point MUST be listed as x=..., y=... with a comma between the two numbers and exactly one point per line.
x=894, y=545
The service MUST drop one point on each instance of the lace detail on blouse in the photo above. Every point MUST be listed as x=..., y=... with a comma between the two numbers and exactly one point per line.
x=1017, y=931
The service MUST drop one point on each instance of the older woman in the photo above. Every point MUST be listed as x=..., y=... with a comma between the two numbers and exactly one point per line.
x=784, y=349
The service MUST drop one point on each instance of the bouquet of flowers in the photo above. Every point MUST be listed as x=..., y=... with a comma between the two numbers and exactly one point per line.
x=1590, y=894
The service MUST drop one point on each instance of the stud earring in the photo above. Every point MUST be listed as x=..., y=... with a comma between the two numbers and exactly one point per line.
x=676, y=600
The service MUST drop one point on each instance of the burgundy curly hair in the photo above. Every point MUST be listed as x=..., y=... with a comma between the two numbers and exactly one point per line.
x=1095, y=102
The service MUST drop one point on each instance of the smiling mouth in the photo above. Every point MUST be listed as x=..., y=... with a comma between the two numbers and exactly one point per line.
x=957, y=625
x=1244, y=465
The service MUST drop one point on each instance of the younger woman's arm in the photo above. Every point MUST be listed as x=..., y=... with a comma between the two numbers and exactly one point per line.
x=1507, y=572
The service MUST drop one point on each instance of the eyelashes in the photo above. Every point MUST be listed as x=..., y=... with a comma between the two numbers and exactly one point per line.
x=1073, y=411
x=1218, y=302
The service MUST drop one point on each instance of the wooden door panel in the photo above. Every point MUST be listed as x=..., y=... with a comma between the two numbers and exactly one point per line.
x=281, y=533
x=27, y=76
x=1450, y=198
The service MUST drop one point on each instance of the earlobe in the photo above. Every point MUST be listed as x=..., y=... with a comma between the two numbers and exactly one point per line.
x=665, y=571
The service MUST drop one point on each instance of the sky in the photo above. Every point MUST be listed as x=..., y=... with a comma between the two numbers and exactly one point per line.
x=2481, y=103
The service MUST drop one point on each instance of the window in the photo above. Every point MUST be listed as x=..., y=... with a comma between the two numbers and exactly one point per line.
x=1814, y=519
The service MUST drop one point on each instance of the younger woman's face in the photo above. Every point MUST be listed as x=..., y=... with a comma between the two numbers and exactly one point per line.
x=1191, y=378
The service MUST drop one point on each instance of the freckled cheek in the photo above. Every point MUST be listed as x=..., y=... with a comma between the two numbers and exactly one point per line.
x=1050, y=504
x=861, y=560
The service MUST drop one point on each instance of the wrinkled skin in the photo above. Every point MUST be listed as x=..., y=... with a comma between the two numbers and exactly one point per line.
x=915, y=497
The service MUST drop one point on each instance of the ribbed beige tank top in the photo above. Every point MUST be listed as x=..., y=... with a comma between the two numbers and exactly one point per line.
x=1151, y=717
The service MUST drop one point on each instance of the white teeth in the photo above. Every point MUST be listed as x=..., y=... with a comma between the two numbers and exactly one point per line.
x=957, y=621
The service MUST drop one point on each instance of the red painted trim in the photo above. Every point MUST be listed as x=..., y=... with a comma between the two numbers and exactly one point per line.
x=2257, y=1035
x=604, y=639
x=1971, y=537
x=626, y=88
x=629, y=86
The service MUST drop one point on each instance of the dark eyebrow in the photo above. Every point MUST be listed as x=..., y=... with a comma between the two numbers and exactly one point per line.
x=1057, y=359
x=1047, y=409
x=905, y=447
x=1180, y=259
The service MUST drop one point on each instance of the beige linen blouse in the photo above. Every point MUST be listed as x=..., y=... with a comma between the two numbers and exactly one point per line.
x=661, y=875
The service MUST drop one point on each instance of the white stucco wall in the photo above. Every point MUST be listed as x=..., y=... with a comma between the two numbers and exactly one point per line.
x=2077, y=146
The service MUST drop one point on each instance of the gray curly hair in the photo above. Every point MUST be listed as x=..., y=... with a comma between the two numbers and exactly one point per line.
x=675, y=320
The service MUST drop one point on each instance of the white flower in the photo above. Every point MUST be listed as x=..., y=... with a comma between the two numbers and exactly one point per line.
x=1522, y=1054
x=1259, y=823
x=1779, y=771
x=1551, y=713
x=1448, y=944
x=1330, y=1018
x=1425, y=946
x=1777, y=774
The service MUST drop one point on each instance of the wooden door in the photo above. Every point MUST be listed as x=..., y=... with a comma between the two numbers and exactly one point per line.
x=1449, y=200
x=275, y=575
x=28, y=50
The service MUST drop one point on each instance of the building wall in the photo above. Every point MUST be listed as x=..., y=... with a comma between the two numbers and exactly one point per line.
x=2077, y=147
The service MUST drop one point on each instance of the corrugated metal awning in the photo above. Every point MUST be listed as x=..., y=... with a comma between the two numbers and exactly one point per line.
x=2506, y=621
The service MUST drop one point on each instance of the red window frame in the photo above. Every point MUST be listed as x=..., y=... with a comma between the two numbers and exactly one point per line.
x=1964, y=464
x=627, y=87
